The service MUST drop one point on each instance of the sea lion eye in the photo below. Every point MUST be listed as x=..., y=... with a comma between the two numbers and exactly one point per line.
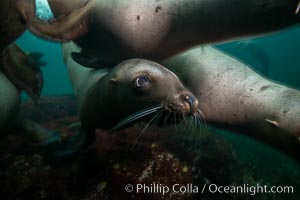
x=142, y=81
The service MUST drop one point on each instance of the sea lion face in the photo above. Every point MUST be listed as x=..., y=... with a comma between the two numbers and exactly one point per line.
x=137, y=86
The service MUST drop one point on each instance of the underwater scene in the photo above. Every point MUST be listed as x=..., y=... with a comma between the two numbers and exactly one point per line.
x=156, y=99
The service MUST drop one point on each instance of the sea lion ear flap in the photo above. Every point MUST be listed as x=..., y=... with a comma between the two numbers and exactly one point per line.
x=85, y=60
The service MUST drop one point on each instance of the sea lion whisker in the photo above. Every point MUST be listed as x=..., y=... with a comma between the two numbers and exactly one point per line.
x=199, y=121
x=166, y=119
x=157, y=119
x=144, y=129
x=175, y=117
x=154, y=121
x=185, y=121
x=136, y=116
x=202, y=119
x=192, y=123
x=174, y=121
x=150, y=125
x=188, y=123
x=201, y=115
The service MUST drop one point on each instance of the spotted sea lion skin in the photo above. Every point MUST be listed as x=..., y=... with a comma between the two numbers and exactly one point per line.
x=236, y=98
x=116, y=30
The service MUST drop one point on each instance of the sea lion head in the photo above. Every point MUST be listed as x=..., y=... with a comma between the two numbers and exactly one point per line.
x=138, y=88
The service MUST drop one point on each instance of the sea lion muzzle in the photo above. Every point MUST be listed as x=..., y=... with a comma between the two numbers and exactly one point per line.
x=182, y=104
x=192, y=101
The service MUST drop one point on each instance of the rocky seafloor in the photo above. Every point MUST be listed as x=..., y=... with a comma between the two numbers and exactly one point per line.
x=164, y=157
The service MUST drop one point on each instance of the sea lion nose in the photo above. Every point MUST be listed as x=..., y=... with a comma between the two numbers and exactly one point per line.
x=192, y=101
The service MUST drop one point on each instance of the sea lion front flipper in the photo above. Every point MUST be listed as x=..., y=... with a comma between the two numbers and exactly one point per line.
x=86, y=60
x=37, y=59
x=66, y=27
x=23, y=70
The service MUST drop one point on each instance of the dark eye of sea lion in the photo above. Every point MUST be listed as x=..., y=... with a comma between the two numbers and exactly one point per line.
x=142, y=81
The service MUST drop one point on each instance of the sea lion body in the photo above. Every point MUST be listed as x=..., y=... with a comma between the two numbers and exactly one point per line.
x=9, y=104
x=117, y=30
x=14, y=18
x=21, y=72
x=235, y=97
x=232, y=96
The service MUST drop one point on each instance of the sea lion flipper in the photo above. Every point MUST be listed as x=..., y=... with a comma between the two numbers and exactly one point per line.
x=36, y=134
x=76, y=143
x=23, y=70
x=37, y=58
x=86, y=60
x=64, y=27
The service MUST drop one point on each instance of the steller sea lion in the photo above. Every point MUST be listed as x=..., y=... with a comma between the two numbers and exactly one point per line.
x=117, y=30
x=9, y=103
x=14, y=17
x=107, y=96
x=23, y=70
x=235, y=97
x=26, y=67
x=232, y=96
x=17, y=15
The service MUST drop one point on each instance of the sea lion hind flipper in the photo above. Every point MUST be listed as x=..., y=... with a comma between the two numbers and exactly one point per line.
x=36, y=136
x=74, y=144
